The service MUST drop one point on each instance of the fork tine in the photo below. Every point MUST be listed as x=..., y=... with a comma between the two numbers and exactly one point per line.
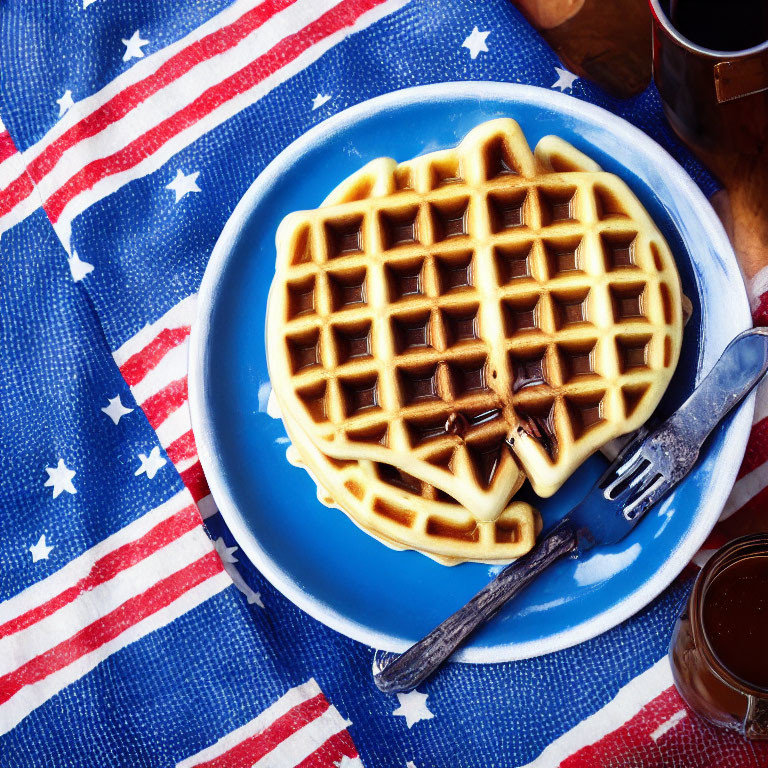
x=625, y=467
x=609, y=491
x=623, y=472
x=645, y=492
x=635, y=481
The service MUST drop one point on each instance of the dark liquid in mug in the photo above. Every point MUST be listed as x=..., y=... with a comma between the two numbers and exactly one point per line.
x=723, y=25
x=735, y=618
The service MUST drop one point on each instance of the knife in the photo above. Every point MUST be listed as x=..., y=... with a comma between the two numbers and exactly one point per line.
x=645, y=471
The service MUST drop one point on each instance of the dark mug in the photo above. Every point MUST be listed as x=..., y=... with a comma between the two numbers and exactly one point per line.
x=713, y=99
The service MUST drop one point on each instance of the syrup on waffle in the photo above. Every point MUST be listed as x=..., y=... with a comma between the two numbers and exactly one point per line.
x=405, y=513
x=430, y=309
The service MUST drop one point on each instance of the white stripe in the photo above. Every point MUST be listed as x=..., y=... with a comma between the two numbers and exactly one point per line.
x=13, y=711
x=80, y=567
x=757, y=286
x=111, y=184
x=91, y=605
x=668, y=725
x=761, y=402
x=302, y=743
x=745, y=489
x=10, y=170
x=181, y=92
x=755, y=481
x=622, y=708
x=183, y=466
x=176, y=425
x=179, y=316
x=172, y=367
x=19, y=212
x=284, y=704
x=137, y=72
x=207, y=506
x=701, y=558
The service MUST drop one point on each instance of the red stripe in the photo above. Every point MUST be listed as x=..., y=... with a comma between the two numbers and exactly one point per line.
x=691, y=742
x=247, y=752
x=750, y=518
x=331, y=753
x=110, y=626
x=137, y=366
x=286, y=50
x=7, y=147
x=213, y=44
x=714, y=541
x=757, y=448
x=19, y=189
x=760, y=315
x=690, y=571
x=183, y=448
x=162, y=404
x=108, y=566
x=629, y=738
x=195, y=481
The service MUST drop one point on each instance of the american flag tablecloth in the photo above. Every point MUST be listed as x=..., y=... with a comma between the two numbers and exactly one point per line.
x=132, y=633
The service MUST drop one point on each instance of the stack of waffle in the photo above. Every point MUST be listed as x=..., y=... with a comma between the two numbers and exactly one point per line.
x=440, y=330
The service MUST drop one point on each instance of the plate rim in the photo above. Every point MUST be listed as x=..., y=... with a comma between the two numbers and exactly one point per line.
x=734, y=444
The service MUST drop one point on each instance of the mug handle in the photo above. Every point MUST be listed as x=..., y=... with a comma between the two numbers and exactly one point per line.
x=741, y=77
x=756, y=719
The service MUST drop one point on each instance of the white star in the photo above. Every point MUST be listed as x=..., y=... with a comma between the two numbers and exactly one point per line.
x=65, y=102
x=227, y=554
x=228, y=559
x=319, y=100
x=150, y=464
x=410, y=764
x=86, y=3
x=476, y=42
x=60, y=478
x=133, y=47
x=413, y=707
x=41, y=550
x=78, y=267
x=116, y=410
x=565, y=79
x=183, y=185
x=349, y=762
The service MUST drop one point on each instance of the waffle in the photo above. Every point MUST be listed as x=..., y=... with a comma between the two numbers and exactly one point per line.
x=428, y=310
x=405, y=513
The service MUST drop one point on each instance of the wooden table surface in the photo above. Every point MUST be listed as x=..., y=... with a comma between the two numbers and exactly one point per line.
x=609, y=42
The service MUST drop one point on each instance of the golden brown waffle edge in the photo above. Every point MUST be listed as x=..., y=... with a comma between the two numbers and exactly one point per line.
x=404, y=514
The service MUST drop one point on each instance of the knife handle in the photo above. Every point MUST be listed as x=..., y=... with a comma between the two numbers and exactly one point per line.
x=414, y=666
x=741, y=366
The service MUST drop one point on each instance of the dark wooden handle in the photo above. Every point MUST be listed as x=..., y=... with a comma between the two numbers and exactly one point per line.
x=414, y=666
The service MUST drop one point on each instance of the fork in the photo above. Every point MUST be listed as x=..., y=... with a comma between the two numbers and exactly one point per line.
x=645, y=471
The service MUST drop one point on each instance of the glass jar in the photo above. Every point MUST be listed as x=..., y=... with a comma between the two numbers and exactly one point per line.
x=714, y=690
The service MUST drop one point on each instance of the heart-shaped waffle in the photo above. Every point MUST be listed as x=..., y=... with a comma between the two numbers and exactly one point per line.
x=428, y=310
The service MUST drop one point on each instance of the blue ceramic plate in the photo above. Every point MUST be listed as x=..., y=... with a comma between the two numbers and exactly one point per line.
x=316, y=556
